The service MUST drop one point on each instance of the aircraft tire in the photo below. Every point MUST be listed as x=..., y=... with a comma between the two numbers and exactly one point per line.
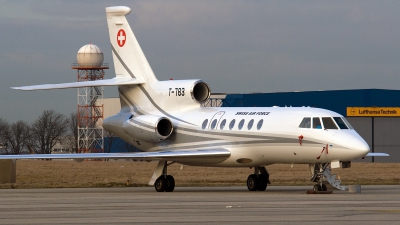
x=323, y=187
x=160, y=184
x=170, y=183
x=317, y=187
x=262, y=182
x=252, y=182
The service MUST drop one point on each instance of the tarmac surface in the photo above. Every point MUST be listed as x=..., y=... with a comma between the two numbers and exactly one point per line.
x=199, y=205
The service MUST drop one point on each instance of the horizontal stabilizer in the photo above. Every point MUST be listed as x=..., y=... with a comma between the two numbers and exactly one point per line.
x=377, y=154
x=117, y=81
x=173, y=155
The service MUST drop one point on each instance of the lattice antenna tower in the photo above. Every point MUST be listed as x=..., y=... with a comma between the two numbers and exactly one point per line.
x=90, y=114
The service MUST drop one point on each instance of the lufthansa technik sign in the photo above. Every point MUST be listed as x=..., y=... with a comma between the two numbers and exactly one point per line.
x=373, y=111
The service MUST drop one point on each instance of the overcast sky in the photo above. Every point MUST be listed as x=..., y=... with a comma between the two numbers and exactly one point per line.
x=235, y=46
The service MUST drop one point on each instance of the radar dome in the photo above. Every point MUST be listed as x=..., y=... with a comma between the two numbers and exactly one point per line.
x=90, y=56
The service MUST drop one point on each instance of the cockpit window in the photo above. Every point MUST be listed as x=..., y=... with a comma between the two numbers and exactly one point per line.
x=340, y=123
x=328, y=123
x=305, y=123
x=347, y=123
x=316, y=123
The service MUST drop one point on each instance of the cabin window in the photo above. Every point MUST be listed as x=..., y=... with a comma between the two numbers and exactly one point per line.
x=259, y=124
x=214, y=124
x=316, y=123
x=347, y=123
x=204, y=125
x=222, y=125
x=250, y=125
x=232, y=124
x=340, y=123
x=305, y=123
x=328, y=123
x=241, y=123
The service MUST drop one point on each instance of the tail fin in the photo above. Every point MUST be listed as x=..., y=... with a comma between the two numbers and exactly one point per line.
x=128, y=57
x=131, y=66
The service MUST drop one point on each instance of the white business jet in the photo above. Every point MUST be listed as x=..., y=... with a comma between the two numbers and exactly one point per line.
x=166, y=121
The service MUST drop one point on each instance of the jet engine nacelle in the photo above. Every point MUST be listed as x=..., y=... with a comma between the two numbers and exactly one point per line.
x=181, y=94
x=148, y=128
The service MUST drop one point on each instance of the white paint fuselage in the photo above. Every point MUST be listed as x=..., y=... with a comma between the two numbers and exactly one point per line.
x=278, y=140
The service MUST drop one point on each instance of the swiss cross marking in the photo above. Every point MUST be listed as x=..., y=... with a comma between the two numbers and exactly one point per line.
x=121, y=37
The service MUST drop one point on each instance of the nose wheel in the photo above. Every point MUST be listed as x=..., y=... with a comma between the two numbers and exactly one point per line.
x=320, y=187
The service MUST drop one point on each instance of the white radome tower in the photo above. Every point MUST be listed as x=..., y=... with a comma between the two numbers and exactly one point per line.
x=90, y=56
x=90, y=67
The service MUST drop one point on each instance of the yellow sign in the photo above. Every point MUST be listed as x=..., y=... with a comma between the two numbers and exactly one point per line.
x=373, y=111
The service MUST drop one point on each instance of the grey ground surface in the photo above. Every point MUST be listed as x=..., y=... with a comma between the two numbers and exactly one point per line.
x=205, y=205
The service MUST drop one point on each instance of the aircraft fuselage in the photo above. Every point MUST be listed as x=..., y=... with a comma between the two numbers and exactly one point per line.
x=255, y=136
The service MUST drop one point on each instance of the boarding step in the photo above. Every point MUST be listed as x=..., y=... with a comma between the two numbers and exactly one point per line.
x=331, y=178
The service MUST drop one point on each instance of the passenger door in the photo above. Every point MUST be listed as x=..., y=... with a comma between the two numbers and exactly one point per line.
x=215, y=120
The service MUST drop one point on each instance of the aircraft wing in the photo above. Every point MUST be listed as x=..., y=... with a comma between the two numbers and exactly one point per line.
x=206, y=155
x=377, y=154
x=116, y=81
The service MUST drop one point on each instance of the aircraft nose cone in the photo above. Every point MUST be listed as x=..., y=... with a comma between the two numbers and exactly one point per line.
x=358, y=144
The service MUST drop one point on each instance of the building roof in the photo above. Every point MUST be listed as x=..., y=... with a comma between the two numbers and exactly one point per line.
x=335, y=100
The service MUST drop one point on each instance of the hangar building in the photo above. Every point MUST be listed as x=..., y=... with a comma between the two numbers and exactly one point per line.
x=380, y=131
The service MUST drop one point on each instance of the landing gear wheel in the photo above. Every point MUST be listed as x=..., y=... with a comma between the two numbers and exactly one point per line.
x=170, y=183
x=323, y=187
x=161, y=184
x=262, y=182
x=252, y=182
x=317, y=187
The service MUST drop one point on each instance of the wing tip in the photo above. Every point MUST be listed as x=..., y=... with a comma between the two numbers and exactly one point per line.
x=24, y=88
x=373, y=154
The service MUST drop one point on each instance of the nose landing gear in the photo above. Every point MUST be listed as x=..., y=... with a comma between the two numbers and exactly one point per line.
x=317, y=170
x=321, y=171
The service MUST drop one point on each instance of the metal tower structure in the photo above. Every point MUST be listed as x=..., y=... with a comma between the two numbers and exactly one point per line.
x=90, y=112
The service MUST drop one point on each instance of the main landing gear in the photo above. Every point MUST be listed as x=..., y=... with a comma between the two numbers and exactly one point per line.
x=165, y=182
x=259, y=180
